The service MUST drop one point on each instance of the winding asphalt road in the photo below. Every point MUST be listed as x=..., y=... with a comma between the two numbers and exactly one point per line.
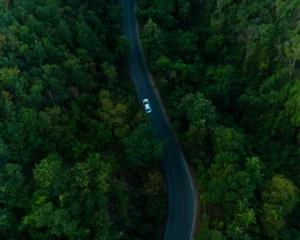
x=181, y=192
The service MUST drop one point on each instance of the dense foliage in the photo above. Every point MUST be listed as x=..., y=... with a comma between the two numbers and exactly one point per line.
x=228, y=72
x=78, y=159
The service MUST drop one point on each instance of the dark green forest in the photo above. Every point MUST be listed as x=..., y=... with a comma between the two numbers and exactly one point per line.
x=228, y=73
x=71, y=130
x=78, y=159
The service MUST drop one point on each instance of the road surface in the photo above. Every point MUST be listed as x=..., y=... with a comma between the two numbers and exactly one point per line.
x=181, y=198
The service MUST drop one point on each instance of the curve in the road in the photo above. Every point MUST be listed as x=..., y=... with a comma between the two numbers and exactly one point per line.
x=181, y=194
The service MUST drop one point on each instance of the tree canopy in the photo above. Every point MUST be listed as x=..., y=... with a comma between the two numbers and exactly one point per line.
x=69, y=127
x=228, y=74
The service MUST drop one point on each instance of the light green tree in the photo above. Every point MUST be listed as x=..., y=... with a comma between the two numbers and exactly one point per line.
x=279, y=198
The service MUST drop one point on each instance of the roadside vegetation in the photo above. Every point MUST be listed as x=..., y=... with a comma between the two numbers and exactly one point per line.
x=77, y=157
x=228, y=73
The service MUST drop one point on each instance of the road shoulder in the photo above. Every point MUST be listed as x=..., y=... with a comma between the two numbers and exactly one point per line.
x=191, y=170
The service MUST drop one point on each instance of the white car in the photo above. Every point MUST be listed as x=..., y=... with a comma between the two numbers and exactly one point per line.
x=147, y=105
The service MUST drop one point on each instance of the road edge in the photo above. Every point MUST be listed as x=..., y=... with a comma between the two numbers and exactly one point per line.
x=188, y=168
